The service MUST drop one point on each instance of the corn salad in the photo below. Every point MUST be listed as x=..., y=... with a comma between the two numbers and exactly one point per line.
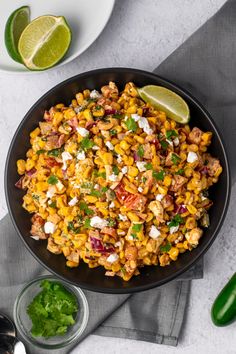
x=113, y=182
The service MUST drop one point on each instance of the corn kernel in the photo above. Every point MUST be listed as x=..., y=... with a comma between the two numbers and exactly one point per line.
x=118, y=149
x=91, y=199
x=72, y=264
x=133, y=171
x=35, y=133
x=167, y=181
x=132, y=216
x=42, y=186
x=124, y=145
x=21, y=167
x=191, y=209
x=173, y=253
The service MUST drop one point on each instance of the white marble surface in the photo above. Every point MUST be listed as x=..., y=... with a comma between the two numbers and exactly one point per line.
x=140, y=33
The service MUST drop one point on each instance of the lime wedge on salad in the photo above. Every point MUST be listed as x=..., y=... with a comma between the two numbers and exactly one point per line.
x=44, y=42
x=167, y=101
x=15, y=25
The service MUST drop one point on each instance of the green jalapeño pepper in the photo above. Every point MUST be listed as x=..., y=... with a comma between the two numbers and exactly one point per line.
x=223, y=311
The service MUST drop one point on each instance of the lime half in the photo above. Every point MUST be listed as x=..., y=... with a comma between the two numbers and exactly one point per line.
x=44, y=42
x=15, y=25
x=167, y=101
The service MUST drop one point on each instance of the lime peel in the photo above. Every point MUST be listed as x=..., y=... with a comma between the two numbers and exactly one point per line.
x=39, y=44
x=167, y=101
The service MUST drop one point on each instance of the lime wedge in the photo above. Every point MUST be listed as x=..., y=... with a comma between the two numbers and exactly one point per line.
x=15, y=25
x=44, y=42
x=167, y=101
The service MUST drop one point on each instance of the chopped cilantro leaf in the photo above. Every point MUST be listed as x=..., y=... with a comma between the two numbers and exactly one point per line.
x=102, y=174
x=97, y=108
x=52, y=180
x=83, y=206
x=159, y=176
x=140, y=151
x=134, y=236
x=171, y=133
x=95, y=193
x=72, y=228
x=115, y=170
x=52, y=310
x=111, y=222
x=104, y=189
x=53, y=204
x=144, y=179
x=179, y=172
x=137, y=227
x=40, y=151
x=148, y=166
x=206, y=162
x=117, y=116
x=54, y=152
x=177, y=219
x=166, y=247
x=86, y=143
x=164, y=144
x=131, y=124
x=87, y=224
x=175, y=159
x=113, y=132
x=35, y=197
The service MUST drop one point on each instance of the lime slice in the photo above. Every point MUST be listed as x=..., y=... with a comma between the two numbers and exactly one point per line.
x=44, y=42
x=167, y=101
x=15, y=25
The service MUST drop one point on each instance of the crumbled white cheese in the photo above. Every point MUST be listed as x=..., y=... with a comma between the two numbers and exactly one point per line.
x=124, y=170
x=49, y=227
x=192, y=157
x=117, y=244
x=136, y=117
x=73, y=201
x=98, y=222
x=123, y=217
x=143, y=124
x=95, y=147
x=82, y=131
x=154, y=232
x=50, y=193
x=112, y=258
x=81, y=155
x=121, y=232
x=119, y=158
x=65, y=157
x=170, y=142
x=159, y=197
x=109, y=145
x=95, y=94
x=36, y=238
x=140, y=189
x=112, y=205
x=113, y=177
x=96, y=186
x=176, y=141
x=141, y=165
x=59, y=186
x=174, y=229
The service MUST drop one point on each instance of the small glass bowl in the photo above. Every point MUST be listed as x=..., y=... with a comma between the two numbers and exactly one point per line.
x=24, y=324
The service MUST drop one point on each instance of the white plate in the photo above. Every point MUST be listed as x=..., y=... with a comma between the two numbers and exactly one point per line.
x=87, y=18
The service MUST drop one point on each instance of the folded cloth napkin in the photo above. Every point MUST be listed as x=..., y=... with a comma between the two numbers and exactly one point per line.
x=205, y=65
x=158, y=319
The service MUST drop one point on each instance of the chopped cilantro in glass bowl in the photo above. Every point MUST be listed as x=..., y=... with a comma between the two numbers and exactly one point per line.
x=50, y=313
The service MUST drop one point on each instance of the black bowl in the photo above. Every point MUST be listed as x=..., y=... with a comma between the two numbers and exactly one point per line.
x=94, y=279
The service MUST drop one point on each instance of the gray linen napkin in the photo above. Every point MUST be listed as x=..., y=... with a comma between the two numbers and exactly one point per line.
x=205, y=65
x=158, y=319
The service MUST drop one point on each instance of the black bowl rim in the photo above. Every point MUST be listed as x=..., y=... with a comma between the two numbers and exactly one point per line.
x=227, y=186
